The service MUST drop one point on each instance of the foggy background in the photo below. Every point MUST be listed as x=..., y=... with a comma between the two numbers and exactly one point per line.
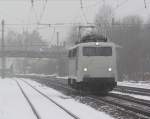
x=49, y=25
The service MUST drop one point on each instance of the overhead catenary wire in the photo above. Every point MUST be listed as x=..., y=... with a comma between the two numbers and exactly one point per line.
x=40, y=16
x=44, y=24
x=60, y=24
x=43, y=10
x=121, y=4
x=44, y=5
x=83, y=15
x=92, y=5
x=82, y=10
x=65, y=24
x=34, y=11
x=39, y=0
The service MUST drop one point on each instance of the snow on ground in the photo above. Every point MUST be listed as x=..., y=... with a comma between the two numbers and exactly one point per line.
x=81, y=110
x=141, y=84
x=58, y=77
x=44, y=107
x=40, y=75
x=12, y=103
x=133, y=95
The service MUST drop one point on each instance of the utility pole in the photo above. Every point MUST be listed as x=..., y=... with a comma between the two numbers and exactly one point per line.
x=57, y=39
x=79, y=34
x=57, y=65
x=3, y=62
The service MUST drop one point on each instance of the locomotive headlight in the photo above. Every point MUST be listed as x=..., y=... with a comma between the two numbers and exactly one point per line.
x=85, y=69
x=109, y=69
x=97, y=43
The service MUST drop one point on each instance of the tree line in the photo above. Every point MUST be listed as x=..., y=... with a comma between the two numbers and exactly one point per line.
x=132, y=34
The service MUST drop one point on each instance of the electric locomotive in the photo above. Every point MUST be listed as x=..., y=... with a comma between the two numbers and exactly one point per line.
x=92, y=64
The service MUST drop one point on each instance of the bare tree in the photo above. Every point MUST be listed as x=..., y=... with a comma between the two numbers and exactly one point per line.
x=73, y=35
x=128, y=35
x=132, y=20
x=103, y=20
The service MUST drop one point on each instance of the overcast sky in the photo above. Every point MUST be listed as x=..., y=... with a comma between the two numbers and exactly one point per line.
x=63, y=11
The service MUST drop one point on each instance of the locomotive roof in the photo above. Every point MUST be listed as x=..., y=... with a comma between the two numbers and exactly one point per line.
x=92, y=37
x=93, y=44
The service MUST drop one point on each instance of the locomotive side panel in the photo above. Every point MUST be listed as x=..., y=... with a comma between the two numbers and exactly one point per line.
x=73, y=63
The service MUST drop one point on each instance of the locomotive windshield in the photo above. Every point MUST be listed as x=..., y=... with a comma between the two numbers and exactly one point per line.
x=97, y=51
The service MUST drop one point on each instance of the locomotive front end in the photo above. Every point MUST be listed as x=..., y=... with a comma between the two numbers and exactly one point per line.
x=98, y=66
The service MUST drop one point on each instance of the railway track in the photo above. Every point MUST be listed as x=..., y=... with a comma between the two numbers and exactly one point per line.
x=138, y=106
x=125, y=89
x=133, y=90
x=134, y=106
x=29, y=102
x=44, y=96
x=129, y=98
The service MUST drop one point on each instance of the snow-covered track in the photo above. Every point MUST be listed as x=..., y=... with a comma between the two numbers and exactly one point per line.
x=139, y=108
x=116, y=105
x=29, y=102
x=136, y=106
x=126, y=104
x=131, y=99
x=50, y=99
x=133, y=90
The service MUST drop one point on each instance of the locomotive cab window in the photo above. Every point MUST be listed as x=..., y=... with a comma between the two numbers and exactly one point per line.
x=97, y=51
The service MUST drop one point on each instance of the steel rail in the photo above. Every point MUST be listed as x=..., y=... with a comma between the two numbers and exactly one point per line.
x=29, y=102
x=134, y=107
x=50, y=99
x=129, y=98
x=119, y=106
x=133, y=90
x=129, y=105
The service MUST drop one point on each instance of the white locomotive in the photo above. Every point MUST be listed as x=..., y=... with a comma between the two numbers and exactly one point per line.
x=92, y=65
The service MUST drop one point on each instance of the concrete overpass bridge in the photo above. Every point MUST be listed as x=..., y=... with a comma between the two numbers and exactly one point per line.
x=33, y=54
x=52, y=54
